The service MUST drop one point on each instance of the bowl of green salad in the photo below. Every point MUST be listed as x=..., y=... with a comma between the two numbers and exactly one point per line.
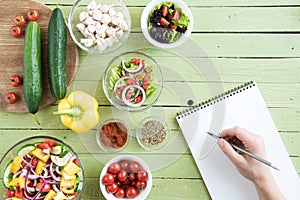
x=132, y=81
x=167, y=24
x=41, y=167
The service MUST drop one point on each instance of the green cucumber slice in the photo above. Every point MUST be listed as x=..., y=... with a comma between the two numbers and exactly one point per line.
x=25, y=150
x=7, y=175
x=56, y=150
x=60, y=161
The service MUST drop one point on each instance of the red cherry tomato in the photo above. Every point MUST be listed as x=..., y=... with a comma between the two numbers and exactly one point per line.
x=43, y=146
x=141, y=185
x=11, y=98
x=33, y=15
x=15, y=81
x=122, y=175
x=76, y=162
x=120, y=193
x=131, y=192
x=108, y=179
x=20, y=20
x=131, y=176
x=134, y=166
x=35, y=161
x=114, y=168
x=124, y=164
x=39, y=186
x=16, y=31
x=112, y=188
x=142, y=175
x=10, y=193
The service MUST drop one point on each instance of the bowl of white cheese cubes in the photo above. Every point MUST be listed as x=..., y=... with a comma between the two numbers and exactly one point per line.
x=99, y=26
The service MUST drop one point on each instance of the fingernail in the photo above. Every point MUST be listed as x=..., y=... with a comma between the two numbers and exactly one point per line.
x=221, y=142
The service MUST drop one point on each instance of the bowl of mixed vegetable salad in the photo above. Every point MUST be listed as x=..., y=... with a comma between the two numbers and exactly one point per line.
x=41, y=167
x=167, y=24
x=132, y=81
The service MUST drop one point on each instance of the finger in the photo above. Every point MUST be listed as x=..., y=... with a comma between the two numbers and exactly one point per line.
x=239, y=132
x=227, y=149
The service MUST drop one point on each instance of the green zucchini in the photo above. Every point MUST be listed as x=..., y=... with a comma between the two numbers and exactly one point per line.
x=57, y=41
x=32, y=68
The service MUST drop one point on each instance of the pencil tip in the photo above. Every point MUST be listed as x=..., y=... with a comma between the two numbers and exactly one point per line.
x=274, y=167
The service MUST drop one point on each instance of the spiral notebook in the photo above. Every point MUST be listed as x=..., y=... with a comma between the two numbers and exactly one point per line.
x=243, y=106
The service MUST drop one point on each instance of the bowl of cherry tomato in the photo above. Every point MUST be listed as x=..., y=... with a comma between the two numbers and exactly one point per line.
x=125, y=177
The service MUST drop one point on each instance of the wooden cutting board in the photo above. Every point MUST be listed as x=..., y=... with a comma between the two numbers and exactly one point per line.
x=11, y=53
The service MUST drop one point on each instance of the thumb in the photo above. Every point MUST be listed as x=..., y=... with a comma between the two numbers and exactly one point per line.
x=229, y=151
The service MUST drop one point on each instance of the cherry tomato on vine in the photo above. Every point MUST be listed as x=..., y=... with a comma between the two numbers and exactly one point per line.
x=16, y=31
x=11, y=98
x=20, y=20
x=15, y=81
x=33, y=15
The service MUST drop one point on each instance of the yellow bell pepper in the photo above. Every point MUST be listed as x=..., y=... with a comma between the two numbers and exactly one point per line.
x=79, y=112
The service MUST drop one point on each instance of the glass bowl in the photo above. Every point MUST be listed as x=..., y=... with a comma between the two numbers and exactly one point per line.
x=153, y=133
x=99, y=26
x=39, y=162
x=143, y=193
x=163, y=37
x=132, y=85
x=113, y=135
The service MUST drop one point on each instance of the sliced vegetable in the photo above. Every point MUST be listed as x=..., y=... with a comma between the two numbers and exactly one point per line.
x=16, y=165
x=27, y=149
x=132, y=71
x=59, y=161
x=7, y=176
x=128, y=102
x=29, y=177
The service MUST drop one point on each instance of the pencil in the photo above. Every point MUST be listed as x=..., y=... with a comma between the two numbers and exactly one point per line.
x=247, y=153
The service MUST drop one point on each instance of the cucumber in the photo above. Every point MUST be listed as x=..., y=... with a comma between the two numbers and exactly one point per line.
x=7, y=175
x=57, y=42
x=26, y=150
x=32, y=68
x=60, y=161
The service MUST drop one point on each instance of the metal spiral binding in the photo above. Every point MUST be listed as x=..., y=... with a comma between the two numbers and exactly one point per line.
x=215, y=99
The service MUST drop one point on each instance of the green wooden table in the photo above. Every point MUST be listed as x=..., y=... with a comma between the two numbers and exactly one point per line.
x=232, y=42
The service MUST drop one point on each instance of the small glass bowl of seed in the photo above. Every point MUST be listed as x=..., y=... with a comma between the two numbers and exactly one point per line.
x=152, y=133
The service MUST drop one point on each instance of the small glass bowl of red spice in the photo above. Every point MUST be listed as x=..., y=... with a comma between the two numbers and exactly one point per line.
x=112, y=135
x=153, y=133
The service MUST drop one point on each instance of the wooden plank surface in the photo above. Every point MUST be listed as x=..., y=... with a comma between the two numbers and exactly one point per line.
x=11, y=53
x=232, y=42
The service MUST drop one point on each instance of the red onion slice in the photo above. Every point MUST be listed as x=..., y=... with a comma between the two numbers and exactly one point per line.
x=52, y=173
x=128, y=102
x=116, y=86
x=132, y=71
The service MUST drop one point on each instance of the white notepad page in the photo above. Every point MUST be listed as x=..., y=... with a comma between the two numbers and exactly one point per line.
x=246, y=108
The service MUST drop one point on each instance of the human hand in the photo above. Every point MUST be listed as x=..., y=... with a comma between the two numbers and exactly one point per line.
x=247, y=166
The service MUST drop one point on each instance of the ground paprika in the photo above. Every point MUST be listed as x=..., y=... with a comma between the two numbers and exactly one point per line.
x=113, y=134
